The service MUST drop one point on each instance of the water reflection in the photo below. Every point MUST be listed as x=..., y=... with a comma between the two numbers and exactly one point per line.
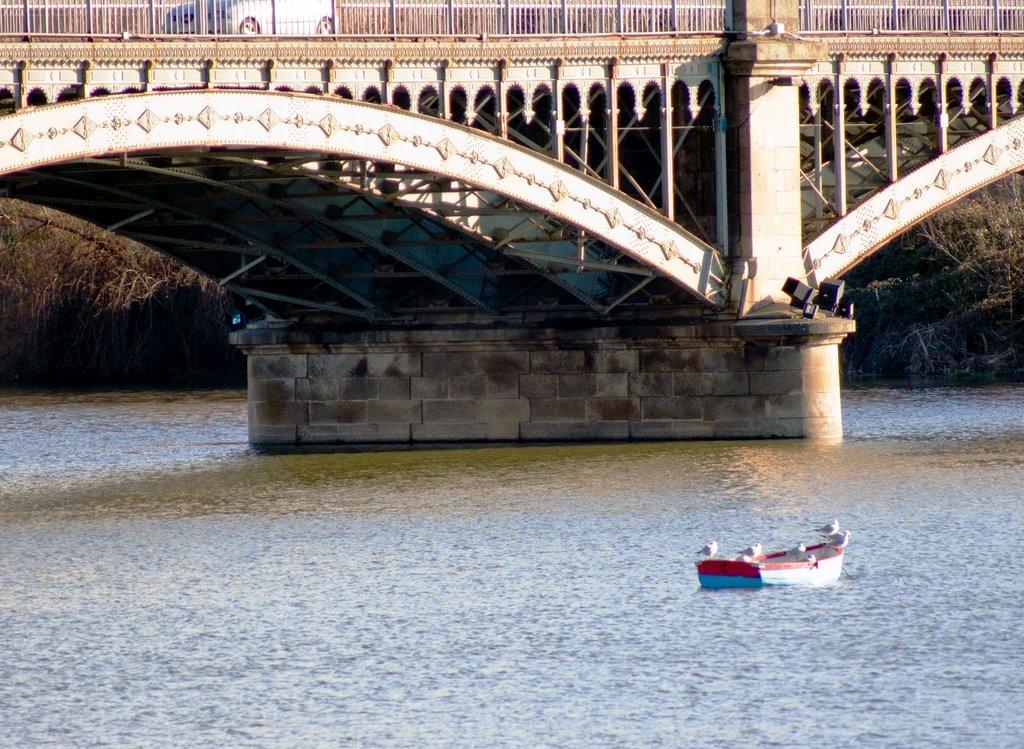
x=57, y=441
x=164, y=586
x=182, y=454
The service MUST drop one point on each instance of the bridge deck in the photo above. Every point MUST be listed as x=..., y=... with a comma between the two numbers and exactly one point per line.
x=475, y=18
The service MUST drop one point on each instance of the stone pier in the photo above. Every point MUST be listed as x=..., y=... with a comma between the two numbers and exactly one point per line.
x=744, y=379
x=750, y=369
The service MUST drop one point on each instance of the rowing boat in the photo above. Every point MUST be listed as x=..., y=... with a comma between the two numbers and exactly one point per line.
x=816, y=565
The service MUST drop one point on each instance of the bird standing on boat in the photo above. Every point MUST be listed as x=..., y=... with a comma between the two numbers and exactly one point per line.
x=799, y=549
x=753, y=550
x=709, y=550
x=839, y=540
x=829, y=528
x=810, y=559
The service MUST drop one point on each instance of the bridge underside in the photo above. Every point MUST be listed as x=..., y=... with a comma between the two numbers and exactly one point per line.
x=928, y=188
x=301, y=235
x=887, y=140
x=404, y=219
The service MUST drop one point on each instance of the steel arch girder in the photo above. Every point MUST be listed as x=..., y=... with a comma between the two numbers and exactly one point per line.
x=933, y=186
x=287, y=121
x=473, y=213
x=151, y=220
x=375, y=234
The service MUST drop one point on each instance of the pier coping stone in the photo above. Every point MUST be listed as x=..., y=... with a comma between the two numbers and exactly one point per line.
x=773, y=328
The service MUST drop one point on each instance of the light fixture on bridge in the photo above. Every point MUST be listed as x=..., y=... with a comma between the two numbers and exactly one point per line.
x=829, y=297
x=800, y=296
x=243, y=311
x=830, y=294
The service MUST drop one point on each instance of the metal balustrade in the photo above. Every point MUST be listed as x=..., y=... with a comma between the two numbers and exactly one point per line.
x=363, y=18
x=438, y=18
x=911, y=16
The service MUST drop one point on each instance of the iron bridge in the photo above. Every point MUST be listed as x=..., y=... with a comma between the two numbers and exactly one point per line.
x=448, y=161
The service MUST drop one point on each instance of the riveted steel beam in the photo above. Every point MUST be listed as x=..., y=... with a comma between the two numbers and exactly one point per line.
x=366, y=233
x=511, y=228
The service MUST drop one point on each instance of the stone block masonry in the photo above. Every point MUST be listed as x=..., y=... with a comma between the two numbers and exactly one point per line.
x=722, y=380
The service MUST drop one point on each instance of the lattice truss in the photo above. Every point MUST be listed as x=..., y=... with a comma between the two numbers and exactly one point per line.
x=629, y=152
x=861, y=134
x=299, y=233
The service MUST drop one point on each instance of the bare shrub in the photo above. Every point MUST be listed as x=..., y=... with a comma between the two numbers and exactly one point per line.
x=947, y=297
x=80, y=304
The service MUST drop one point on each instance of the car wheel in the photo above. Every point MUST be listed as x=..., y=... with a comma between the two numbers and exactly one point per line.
x=249, y=26
x=326, y=26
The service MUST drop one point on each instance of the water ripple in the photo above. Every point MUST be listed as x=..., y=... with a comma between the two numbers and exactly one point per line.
x=187, y=593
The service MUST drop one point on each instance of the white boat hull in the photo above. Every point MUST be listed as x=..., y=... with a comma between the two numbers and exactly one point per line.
x=824, y=571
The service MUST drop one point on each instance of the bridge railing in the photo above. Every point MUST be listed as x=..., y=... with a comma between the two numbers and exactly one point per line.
x=363, y=18
x=417, y=18
x=911, y=16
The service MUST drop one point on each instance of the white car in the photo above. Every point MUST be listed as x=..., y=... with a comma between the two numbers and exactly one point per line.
x=270, y=17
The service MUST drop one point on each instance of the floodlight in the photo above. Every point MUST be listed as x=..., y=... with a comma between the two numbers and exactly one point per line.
x=830, y=293
x=799, y=293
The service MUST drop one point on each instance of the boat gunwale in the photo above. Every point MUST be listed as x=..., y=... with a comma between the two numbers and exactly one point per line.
x=762, y=562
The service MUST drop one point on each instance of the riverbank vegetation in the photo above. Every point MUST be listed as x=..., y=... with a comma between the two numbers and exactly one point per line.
x=947, y=298
x=79, y=305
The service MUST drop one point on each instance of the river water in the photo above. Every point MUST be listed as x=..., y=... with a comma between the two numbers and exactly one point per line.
x=162, y=586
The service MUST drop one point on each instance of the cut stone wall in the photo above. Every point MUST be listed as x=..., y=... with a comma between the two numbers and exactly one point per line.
x=758, y=378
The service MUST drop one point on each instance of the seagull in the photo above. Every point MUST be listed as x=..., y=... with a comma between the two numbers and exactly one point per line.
x=799, y=549
x=829, y=528
x=709, y=550
x=839, y=540
x=810, y=559
x=753, y=550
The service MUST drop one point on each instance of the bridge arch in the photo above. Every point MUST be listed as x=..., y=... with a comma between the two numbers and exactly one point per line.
x=175, y=121
x=968, y=167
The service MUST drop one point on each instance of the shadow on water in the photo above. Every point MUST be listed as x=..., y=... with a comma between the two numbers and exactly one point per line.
x=179, y=454
x=734, y=482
